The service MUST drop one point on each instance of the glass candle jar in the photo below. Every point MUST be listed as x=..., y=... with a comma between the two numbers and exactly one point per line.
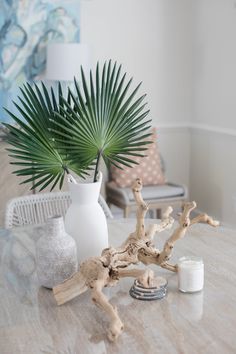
x=190, y=274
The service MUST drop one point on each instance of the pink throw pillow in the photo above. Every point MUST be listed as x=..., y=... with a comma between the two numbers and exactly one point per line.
x=149, y=168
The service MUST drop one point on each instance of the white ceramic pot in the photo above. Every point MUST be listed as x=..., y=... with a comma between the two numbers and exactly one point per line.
x=85, y=220
x=56, y=256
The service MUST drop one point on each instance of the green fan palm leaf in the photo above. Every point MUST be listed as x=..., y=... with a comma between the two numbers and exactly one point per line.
x=108, y=122
x=99, y=118
x=36, y=150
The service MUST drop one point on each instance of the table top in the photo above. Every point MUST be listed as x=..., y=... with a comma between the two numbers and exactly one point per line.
x=204, y=322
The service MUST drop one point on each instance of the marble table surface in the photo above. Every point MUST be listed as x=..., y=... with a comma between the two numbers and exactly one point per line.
x=205, y=322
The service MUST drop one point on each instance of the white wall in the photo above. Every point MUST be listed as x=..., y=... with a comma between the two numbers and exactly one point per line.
x=213, y=172
x=213, y=146
x=215, y=58
x=153, y=41
x=175, y=147
x=184, y=51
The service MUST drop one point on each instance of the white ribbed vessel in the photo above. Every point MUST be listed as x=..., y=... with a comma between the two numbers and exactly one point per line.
x=85, y=220
x=56, y=254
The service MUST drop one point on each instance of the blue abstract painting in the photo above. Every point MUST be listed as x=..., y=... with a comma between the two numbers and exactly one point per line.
x=26, y=27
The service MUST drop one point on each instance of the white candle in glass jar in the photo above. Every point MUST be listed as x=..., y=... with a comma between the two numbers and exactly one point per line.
x=190, y=274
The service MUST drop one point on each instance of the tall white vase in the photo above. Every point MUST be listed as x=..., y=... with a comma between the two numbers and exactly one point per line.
x=85, y=220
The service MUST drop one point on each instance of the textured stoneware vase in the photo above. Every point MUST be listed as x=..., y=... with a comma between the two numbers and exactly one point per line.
x=56, y=254
x=85, y=220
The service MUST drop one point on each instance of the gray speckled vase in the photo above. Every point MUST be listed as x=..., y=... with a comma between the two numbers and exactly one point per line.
x=56, y=254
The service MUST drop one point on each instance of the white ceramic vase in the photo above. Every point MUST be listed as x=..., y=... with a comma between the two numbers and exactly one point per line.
x=56, y=254
x=85, y=220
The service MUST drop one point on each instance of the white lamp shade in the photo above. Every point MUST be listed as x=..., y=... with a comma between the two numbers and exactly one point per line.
x=64, y=60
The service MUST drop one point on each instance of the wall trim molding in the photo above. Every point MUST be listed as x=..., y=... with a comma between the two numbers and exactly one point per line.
x=197, y=126
x=213, y=129
x=173, y=125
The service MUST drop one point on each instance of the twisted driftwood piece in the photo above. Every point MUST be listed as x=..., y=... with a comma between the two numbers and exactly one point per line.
x=106, y=270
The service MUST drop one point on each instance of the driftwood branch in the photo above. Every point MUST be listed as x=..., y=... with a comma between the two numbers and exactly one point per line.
x=106, y=270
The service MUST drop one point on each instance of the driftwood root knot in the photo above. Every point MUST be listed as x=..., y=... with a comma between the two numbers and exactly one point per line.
x=99, y=272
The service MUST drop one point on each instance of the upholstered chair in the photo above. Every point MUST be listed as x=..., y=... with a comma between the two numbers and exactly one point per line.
x=157, y=191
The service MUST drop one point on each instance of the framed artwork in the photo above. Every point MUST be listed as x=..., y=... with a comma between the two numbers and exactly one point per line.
x=26, y=27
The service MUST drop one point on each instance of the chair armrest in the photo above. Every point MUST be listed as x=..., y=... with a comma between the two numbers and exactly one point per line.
x=113, y=190
x=185, y=188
